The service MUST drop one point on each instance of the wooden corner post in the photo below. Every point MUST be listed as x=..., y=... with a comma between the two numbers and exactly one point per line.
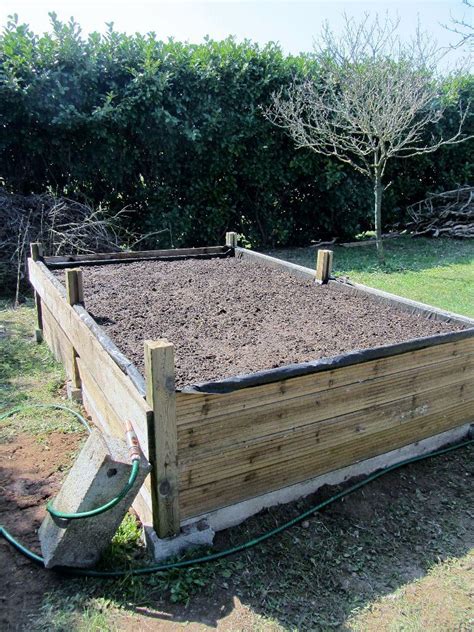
x=74, y=295
x=36, y=253
x=324, y=265
x=231, y=239
x=162, y=436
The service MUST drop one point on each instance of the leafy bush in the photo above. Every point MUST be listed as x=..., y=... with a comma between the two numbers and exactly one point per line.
x=177, y=131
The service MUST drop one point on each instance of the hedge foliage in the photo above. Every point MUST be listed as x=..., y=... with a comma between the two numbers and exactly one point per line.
x=177, y=131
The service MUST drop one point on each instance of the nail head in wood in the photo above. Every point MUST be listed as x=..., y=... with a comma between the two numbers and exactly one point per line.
x=324, y=265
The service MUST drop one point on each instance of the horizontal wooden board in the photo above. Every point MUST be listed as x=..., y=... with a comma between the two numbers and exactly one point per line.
x=194, y=407
x=273, y=262
x=219, y=433
x=114, y=384
x=105, y=417
x=400, y=302
x=57, y=341
x=226, y=491
x=301, y=444
x=141, y=254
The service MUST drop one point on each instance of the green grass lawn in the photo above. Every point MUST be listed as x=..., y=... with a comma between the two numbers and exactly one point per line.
x=439, y=272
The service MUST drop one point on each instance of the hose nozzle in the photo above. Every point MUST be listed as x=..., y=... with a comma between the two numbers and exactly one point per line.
x=132, y=442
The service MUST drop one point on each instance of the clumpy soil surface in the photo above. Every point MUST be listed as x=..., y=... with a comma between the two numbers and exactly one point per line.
x=30, y=474
x=228, y=317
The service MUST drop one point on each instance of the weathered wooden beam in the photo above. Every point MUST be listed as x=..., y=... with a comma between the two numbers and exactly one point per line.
x=74, y=286
x=324, y=265
x=74, y=296
x=162, y=436
x=121, y=257
x=273, y=262
x=36, y=250
x=231, y=239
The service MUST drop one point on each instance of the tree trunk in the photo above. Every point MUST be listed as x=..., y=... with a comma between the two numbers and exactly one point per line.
x=378, y=216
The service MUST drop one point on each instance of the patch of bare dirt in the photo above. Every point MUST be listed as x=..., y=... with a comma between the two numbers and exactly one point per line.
x=31, y=472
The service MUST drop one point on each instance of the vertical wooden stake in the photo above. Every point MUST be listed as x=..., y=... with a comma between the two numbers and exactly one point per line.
x=324, y=265
x=231, y=239
x=74, y=286
x=163, y=443
x=36, y=250
x=75, y=295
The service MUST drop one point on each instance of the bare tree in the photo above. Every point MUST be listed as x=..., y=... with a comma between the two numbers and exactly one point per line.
x=374, y=98
x=463, y=28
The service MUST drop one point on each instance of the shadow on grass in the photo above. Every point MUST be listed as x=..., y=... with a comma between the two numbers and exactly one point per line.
x=404, y=254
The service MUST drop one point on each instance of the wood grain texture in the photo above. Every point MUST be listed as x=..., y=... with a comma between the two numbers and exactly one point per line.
x=194, y=407
x=116, y=386
x=323, y=265
x=226, y=491
x=224, y=431
x=236, y=446
x=107, y=419
x=161, y=396
x=301, y=443
x=58, y=341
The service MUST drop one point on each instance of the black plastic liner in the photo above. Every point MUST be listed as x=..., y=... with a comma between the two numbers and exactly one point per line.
x=228, y=385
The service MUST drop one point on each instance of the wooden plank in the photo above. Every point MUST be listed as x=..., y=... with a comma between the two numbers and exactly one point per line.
x=36, y=251
x=74, y=286
x=116, y=386
x=324, y=265
x=231, y=239
x=106, y=418
x=141, y=254
x=74, y=296
x=192, y=407
x=222, y=431
x=57, y=341
x=300, y=445
x=161, y=396
x=400, y=302
x=273, y=262
x=221, y=493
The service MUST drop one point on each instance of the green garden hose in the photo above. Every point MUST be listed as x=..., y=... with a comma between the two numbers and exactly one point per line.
x=235, y=549
x=98, y=510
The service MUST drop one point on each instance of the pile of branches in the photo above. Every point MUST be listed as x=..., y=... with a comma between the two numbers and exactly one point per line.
x=62, y=225
x=448, y=214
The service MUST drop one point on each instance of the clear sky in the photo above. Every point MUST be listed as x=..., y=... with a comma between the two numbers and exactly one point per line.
x=292, y=23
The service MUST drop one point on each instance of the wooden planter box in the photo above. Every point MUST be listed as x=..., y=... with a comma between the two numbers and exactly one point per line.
x=240, y=439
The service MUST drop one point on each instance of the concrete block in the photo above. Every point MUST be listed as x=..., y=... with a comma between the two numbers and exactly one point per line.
x=192, y=535
x=100, y=472
x=73, y=393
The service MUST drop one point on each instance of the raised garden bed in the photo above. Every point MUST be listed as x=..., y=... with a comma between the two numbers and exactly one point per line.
x=277, y=379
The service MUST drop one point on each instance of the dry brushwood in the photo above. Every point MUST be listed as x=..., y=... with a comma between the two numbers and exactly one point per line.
x=448, y=214
x=60, y=224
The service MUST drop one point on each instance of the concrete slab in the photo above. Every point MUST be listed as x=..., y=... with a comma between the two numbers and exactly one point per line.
x=100, y=472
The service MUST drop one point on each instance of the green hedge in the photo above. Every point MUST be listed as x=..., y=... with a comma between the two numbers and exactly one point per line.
x=176, y=131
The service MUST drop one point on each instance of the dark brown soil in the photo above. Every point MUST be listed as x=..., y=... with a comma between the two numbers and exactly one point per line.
x=228, y=317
